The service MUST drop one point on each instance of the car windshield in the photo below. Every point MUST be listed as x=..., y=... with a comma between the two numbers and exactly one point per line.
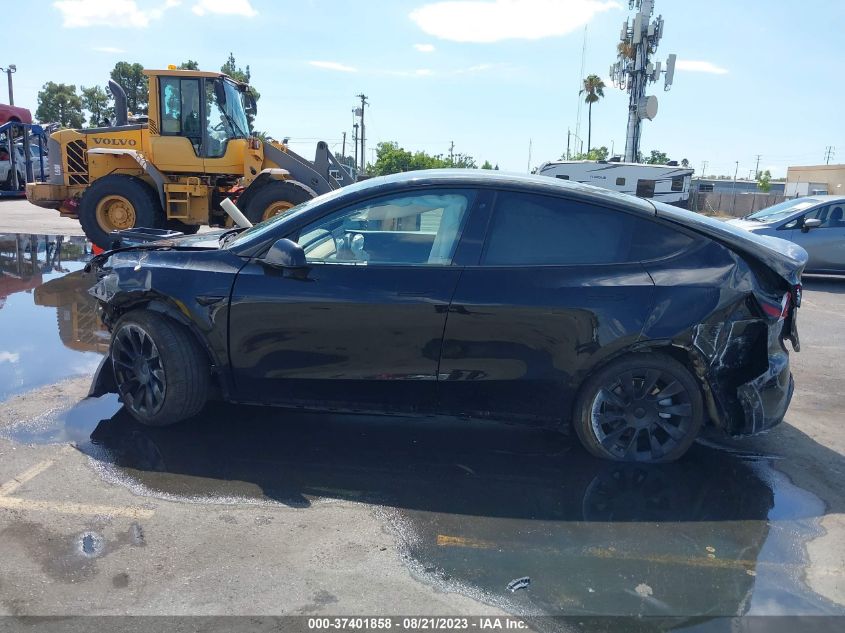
x=782, y=210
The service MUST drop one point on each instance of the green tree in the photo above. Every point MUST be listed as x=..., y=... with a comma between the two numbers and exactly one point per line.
x=189, y=65
x=131, y=78
x=684, y=162
x=764, y=181
x=594, y=90
x=243, y=75
x=59, y=103
x=597, y=153
x=392, y=159
x=96, y=101
x=657, y=158
x=487, y=165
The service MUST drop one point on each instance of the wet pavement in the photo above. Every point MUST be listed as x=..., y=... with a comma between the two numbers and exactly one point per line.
x=476, y=506
x=42, y=316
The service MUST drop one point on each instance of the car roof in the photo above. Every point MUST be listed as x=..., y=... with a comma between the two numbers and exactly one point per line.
x=497, y=179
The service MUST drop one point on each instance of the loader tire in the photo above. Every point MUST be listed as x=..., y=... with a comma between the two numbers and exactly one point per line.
x=271, y=198
x=116, y=203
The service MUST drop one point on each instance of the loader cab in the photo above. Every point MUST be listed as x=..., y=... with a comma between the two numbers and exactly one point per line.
x=198, y=121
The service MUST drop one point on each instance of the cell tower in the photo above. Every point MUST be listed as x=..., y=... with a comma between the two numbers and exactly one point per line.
x=634, y=70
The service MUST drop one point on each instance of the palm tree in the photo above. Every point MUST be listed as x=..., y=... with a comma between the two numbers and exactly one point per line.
x=594, y=89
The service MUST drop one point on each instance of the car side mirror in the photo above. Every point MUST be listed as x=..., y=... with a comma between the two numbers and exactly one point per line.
x=811, y=223
x=287, y=256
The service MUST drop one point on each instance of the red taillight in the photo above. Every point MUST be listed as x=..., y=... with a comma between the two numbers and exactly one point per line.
x=778, y=311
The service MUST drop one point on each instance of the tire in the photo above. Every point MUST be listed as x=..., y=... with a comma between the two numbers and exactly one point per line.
x=618, y=416
x=177, y=375
x=270, y=198
x=187, y=229
x=137, y=204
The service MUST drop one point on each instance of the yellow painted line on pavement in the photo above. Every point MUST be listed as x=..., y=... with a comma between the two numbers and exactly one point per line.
x=61, y=507
x=712, y=561
x=444, y=540
x=30, y=473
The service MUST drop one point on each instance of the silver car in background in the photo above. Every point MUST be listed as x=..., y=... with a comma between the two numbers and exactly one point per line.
x=817, y=223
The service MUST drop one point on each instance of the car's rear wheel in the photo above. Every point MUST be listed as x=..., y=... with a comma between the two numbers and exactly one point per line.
x=162, y=374
x=645, y=407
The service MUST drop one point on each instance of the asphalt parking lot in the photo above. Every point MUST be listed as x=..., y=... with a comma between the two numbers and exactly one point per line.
x=265, y=511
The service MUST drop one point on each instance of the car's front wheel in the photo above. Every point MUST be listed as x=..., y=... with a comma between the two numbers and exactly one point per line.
x=644, y=407
x=161, y=373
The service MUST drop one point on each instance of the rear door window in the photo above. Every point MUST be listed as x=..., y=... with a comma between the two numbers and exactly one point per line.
x=534, y=230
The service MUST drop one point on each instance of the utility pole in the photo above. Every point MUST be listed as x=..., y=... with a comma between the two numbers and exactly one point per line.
x=355, y=142
x=9, y=70
x=530, y=143
x=736, y=171
x=363, y=135
x=757, y=168
x=568, y=134
x=343, y=147
x=828, y=151
x=452, y=154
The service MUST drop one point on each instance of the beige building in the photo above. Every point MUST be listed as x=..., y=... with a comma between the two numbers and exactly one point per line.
x=815, y=179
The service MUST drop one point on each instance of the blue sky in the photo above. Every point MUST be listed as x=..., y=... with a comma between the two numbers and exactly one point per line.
x=755, y=77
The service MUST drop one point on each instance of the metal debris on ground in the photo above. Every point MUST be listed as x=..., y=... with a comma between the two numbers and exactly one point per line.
x=519, y=583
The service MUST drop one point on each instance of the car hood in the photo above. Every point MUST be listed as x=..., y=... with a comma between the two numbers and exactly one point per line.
x=785, y=258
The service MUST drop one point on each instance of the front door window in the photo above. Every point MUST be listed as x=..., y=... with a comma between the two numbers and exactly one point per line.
x=422, y=228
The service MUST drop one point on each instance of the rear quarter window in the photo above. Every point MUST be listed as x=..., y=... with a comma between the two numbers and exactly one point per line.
x=535, y=230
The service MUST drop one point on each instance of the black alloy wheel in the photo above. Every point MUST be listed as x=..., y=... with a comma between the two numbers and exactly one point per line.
x=644, y=408
x=138, y=370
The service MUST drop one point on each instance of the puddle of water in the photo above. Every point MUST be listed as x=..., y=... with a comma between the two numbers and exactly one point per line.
x=478, y=506
x=48, y=328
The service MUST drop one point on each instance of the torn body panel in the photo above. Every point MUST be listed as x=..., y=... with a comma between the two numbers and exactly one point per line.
x=190, y=286
x=737, y=351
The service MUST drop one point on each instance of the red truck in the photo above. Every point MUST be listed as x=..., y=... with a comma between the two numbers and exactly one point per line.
x=14, y=113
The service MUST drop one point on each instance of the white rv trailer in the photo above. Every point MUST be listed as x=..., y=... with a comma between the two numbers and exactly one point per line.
x=666, y=183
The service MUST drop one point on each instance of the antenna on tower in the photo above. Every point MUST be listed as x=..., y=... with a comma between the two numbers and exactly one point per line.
x=634, y=69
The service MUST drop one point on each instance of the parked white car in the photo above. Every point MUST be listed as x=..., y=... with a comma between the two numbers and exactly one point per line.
x=6, y=183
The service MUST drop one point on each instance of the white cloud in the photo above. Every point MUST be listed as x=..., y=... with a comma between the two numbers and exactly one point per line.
x=108, y=49
x=225, y=7
x=115, y=13
x=424, y=48
x=424, y=72
x=9, y=357
x=700, y=67
x=335, y=66
x=494, y=20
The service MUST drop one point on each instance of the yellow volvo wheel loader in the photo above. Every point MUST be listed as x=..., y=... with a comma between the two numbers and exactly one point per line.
x=172, y=171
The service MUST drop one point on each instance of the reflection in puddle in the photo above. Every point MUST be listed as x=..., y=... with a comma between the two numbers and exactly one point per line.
x=48, y=328
x=478, y=506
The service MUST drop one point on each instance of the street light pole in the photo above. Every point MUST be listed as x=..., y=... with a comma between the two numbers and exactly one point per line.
x=12, y=68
